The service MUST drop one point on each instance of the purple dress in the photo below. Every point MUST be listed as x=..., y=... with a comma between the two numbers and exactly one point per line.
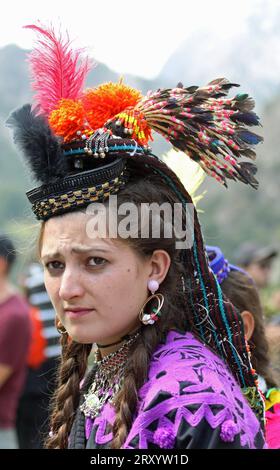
x=190, y=400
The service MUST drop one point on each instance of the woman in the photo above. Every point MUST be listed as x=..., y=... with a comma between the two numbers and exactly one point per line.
x=241, y=290
x=170, y=365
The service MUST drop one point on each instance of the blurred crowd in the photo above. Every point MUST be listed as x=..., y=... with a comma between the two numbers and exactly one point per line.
x=29, y=349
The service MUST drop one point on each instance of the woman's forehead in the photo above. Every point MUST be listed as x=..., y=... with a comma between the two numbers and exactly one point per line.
x=74, y=225
x=69, y=234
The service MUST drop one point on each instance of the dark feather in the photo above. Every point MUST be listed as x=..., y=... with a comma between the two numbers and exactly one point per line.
x=243, y=102
x=223, y=82
x=249, y=153
x=249, y=167
x=209, y=127
x=191, y=89
x=248, y=170
x=249, y=137
x=41, y=149
x=249, y=118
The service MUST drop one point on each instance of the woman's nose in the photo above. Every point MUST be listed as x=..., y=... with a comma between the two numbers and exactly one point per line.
x=71, y=285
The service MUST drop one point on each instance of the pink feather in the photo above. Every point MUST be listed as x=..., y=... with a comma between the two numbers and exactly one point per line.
x=56, y=73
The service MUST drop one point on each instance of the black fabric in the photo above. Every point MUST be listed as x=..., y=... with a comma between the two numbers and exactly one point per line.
x=77, y=438
x=32, y=422
x=203, y=436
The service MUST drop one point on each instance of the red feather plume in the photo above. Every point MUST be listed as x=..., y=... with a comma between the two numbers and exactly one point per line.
x=57, y=70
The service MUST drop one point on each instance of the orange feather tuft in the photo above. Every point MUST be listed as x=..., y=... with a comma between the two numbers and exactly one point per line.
x=104, y=102
x=67, y=119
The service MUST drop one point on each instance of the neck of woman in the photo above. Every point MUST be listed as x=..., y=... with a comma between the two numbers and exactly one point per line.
x=108, y=347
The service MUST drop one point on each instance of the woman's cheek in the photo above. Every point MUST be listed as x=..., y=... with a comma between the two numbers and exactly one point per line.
x=52, y=287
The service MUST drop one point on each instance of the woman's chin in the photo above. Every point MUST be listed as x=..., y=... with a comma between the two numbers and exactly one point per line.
x=80, y=336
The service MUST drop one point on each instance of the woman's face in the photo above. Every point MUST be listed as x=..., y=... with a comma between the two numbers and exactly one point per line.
x=97, y=285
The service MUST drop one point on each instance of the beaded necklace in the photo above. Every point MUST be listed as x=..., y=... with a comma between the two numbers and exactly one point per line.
x=108, y=379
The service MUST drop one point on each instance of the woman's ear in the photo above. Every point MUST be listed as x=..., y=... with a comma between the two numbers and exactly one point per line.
x=249, y=323
x=159, y=265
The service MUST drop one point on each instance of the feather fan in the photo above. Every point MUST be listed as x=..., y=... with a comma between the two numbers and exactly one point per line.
x=40, y=147
x=57, y=70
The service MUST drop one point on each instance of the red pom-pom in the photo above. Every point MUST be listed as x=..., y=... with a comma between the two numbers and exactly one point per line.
x=104, y=102
x=67, y=119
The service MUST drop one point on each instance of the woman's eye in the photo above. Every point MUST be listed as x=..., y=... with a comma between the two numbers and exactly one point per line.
x=54, y=265
x=96, y=261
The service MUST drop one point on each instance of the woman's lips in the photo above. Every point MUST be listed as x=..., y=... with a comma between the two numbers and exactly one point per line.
x=75, y=313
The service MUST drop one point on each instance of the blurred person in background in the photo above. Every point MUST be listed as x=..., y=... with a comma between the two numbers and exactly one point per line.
x=257, y=262
x=33, y=410
x=273, y=335
x=241, y=290
x=15, y=333
x=272, y=304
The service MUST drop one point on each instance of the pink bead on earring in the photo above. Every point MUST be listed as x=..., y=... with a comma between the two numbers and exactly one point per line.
x=153, y=285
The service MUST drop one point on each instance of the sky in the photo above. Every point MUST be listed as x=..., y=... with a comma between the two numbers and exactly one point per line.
x=129, y=36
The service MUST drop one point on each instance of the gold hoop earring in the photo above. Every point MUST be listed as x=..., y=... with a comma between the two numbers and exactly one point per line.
x=60, y=328
x=151, y=318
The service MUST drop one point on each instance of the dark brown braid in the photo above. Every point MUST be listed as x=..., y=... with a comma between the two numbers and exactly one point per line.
x=244, y=295
x=66, y=398
x=136, y=374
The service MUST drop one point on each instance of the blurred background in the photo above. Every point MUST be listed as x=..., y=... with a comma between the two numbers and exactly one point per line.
x=156, y=44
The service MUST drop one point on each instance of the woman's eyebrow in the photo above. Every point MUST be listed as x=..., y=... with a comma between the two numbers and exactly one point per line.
x=87, y=249
x=50, y=255
x=76, y=250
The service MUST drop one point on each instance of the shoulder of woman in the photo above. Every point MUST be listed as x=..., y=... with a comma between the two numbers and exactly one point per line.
x=188, y=383
x=183, y=362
